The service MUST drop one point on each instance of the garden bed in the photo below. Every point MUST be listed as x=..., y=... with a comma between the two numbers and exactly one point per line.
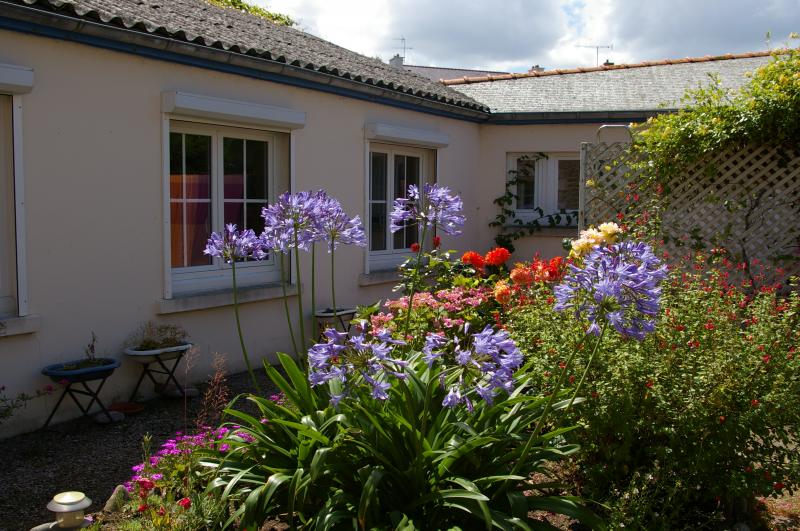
x=82, y=455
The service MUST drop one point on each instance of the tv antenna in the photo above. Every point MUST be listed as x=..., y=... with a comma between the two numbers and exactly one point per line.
x=597, y=50
x=404, y=47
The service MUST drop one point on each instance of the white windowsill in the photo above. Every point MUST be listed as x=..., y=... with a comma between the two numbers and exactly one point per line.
x=15, y=326
x=375, y=278
x=190, y=302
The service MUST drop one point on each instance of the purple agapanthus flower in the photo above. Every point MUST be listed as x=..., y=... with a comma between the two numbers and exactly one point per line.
x=293, y=221
x=336, y=227
x=618, y=285
x=441, y=209
x=352, y=359
x=485, y=364
x=232, y=244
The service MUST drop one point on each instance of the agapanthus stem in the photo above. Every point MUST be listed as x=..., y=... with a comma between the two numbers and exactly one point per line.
x=314, y=331
x=548, y=407
x=588, y=364
x=286, y=308
x=239, y=329
x=414, y=283
x=299, y=298
x=333, y=288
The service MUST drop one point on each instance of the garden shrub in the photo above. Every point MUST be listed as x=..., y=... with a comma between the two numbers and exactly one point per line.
x=687, y=424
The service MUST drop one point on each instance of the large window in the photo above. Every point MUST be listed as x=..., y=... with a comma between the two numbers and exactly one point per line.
x=8, y=277
x=219, y=175
x=391, y=171
x=546, y=185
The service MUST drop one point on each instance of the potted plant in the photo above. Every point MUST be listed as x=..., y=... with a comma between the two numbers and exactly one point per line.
x=89, y=368
x=153, y=341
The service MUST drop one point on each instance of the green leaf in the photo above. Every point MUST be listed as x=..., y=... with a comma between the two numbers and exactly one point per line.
x=369, y=496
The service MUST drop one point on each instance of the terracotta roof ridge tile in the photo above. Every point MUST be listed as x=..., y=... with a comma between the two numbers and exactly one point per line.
x=603, y=68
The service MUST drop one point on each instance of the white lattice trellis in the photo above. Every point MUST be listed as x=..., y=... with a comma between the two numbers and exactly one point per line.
x=745, y=200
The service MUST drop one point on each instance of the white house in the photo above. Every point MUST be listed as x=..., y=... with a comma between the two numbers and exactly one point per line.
x=131, y=129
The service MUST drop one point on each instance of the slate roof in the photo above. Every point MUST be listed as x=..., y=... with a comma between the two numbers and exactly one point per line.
x=636, y=87
x=204, y=24
x=438, y=73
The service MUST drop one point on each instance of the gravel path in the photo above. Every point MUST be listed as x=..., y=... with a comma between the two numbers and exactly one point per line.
x=82, y=455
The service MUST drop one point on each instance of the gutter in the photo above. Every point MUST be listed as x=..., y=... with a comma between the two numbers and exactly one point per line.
x=581, y=117
x=47, y=24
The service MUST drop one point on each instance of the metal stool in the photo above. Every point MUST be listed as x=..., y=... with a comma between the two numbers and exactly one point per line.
x=147, y=358
x=339, y=319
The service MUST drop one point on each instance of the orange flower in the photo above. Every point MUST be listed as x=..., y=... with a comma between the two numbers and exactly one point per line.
x=502, y=292
x=474, y=259
x=497, y=256
x=521, y=275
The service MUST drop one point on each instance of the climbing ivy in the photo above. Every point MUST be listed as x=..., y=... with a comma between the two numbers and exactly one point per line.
x=241, y=5
x=512, y=227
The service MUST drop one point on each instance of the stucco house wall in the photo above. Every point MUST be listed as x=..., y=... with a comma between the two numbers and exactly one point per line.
x=94, y=224
x=496, y=141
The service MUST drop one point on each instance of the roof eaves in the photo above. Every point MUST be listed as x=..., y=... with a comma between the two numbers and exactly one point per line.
x=81, y=20
x=572, y=117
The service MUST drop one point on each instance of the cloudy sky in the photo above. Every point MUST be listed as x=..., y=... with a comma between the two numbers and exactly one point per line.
x=512, y=35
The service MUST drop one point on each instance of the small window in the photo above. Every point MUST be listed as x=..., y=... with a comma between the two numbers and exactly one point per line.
x=392, y=170
x=219, y=175
x=8, y=276
x=546, y=186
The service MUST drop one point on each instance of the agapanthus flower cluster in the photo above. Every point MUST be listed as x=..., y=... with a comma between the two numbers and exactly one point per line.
x=481, y=365
x=618, y=285
x=440, y=210
x=356, y=359
x=293, y=220
x=335, y=226
x=233, y=244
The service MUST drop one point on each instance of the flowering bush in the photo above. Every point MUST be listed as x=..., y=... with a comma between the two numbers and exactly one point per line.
x=682, y=426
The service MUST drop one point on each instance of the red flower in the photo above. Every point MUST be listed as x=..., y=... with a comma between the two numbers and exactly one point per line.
x=754, y=402
x=649, y=384
x=709, y=325
x=185, y=503
x=142, y=508
x=414, y=247
x=765, y=358
x=497, y=256
x=722, y=419
x=778, y=485
x=437, y=241
x=161, y=511
x=474, y=259
x=145, y=486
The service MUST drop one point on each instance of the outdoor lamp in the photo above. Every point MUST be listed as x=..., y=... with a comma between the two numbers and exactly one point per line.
x=69, y=507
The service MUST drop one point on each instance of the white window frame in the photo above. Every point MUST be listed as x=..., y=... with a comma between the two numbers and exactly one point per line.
x=217, y=276
x=545, y=189
x=18, y=278
x=390, y=258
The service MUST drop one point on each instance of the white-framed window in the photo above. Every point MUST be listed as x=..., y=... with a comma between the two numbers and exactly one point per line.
x=392, y=169
x=546, y=188
x=8, y=254
x=217, y=175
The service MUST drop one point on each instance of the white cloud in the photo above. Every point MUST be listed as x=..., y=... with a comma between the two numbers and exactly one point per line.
x=512, y=35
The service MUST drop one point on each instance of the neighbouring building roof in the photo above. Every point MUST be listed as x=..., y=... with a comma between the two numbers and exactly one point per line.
x=440, y=73
x=200, y=23
x=648, y=86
